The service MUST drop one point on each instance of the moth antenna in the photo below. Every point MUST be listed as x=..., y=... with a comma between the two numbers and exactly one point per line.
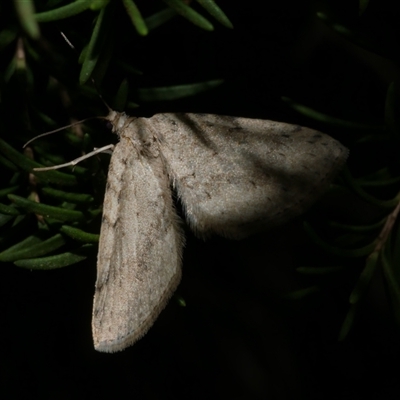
x=59, y=129
x=92, y=153
x=92, y=79
x=99, y=94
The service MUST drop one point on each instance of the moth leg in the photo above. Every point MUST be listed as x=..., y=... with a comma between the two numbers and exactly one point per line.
x=103, y=149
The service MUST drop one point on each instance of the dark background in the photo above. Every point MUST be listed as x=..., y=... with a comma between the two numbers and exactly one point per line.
x=238, y=336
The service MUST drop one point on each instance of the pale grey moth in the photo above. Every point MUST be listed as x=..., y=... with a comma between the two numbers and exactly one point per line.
x=234, y=177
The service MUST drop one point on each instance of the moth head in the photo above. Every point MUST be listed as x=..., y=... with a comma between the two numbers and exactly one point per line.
x=117, y=120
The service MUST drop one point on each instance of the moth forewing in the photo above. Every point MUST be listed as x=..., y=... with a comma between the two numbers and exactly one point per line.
x=237, y=176
x=140, y=246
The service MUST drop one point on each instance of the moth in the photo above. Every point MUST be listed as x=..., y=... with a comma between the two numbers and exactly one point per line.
x=233, y=176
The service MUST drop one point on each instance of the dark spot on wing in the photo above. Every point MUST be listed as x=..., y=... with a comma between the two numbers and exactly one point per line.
x=315, y=138
x=236, y=128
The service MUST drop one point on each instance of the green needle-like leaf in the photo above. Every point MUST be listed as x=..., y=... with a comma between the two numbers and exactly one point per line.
x=191, y=15
x=367, y=197
x=216, y=12
x=4, y=219
x=8, y=35
x=363, y=4
x=98, y=4
x=358, y=252
x=348, y=322
x=81, y=198
x=136, y=18
x=36, y=248
x=26, y=243
x=27, y=165
x=160, y=18
x=395, y=258
x=318, y=116
x=94, y=48
x=67, y=11
x=4, y=192
x=59, y=213
x=392, y=282
x=358, y=228
x=56, y=261
x=7, y=163
x=25, y=11
x=8, y=210
x=381, y=183
x=299, y=294
x=177, y=92
x=79, y=234
x=365, y=278
x=318, y=270
x=121, y=96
